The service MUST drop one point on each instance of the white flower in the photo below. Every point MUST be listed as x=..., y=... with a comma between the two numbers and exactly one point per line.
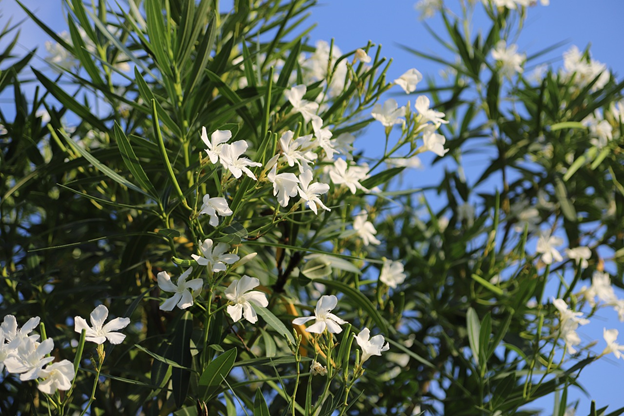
x=214, y=206
x=15, y=336
x=370, y=346
x=57, y=376
x=239, y=292
x=342, y=174
x=599, y=129
x=362, y=56
x=284, y=185
x=433, y=141
x=508, y=58
x=601, y=287
x=214, y=257
x=343, y=144
x=323, y=137
x=317, y=369
x=412, y=162
x=510, y=4
x=466, y=212
x=428, y=8
x=298, y=150
x=619, y=308
x=316, y=67
x=610, y=336
x=527, y=216
x=389, y=114
x=231, y=159
x=392, y=273
x=428, y=114
x=29, y=358
x=323, y=316
x=100, y=332
x=59, y=56
x=568, y=323
x=215, y=144
x=581, y=70
x=306, y=108
x=310, y=192
x=580, y=255
x=545, y=246
x=183, y=292
x=365, y=229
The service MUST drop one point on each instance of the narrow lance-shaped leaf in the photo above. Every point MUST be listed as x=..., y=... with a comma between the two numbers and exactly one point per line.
x=132, y=161
x=101, y=167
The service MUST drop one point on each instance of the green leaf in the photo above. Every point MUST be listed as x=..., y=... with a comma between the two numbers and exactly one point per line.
x=274, y=322
x=69, y=102
x=81, y=53
x=562, y=196
x=132, y=161
x=484, y=339
x=181, y=353
x=474, y=329
x=159, y=39
x=382, y=177
x=260, y=406
x=316, y=268
x=362, y=301
x=186, y=411
x=203, y=54
x=103, y=168
x=161, y=358
x=567, y=125
x=216, y=372
x=487, y=284
x=575, y=166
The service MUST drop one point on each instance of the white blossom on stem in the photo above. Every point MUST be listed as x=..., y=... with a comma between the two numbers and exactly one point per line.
x=310, y=192
x=610, y=336
x=240, y=293
x=99, y=332
x=306, y=108
x=323, y=137
x=546, y=247
x=350, y=176
x=392, y=273
x=323, y=316
x=580, y=255
x=213, y=207
x=29, y=358
x=433, y=141
x=231, y=159
x=297, y=150
x=390, y=114
x=365, y=229
x=370, y=346
x=57, y=376
x=215, y=144
x=183, y=292
x=362, y=56
x=509, y=59
x=428, y=114
x=284, y=185
x=214, y=257
x=568, y=323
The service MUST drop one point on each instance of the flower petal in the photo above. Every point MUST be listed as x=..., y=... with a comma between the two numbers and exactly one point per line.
x=98, y=316
x=165, y=283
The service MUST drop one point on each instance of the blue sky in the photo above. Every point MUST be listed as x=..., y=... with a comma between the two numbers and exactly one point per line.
x=352, y=23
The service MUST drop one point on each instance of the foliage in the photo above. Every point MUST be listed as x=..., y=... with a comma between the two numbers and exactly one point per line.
x=122, y=184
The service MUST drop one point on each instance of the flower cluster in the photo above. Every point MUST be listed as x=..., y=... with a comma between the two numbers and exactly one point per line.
x=327, y=321
x=22, y=353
